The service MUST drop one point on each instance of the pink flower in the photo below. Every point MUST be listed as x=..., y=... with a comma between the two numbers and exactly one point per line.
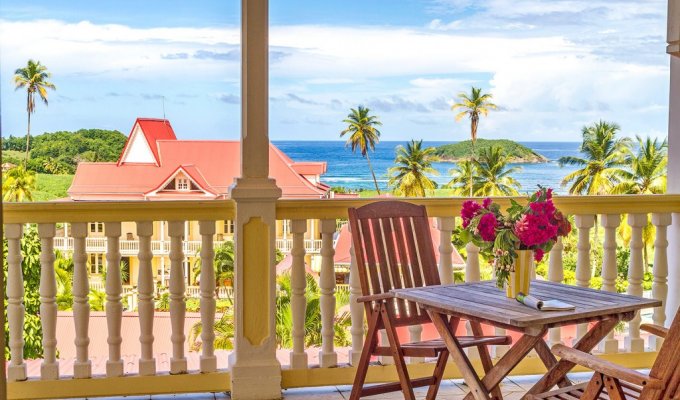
x=486, y=203
x=469, y=211
x=538, y=254
x=487, y=227
x=535, y=230
x=548, y=194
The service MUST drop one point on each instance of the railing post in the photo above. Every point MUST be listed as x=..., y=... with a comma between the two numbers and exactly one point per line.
x=660, y=283
x=298, y=302
x=16, y=370
x=472, y=274
x=49, y=369
x=445, y=225
x=634, y=343
x=178, y=362
x=208, y=303
x=114, y=308
x=556, y=274
x=356, y=309
x=82, y=367
x=145, y=306
x=609, y=270
x=327, y=356
x=583, y=267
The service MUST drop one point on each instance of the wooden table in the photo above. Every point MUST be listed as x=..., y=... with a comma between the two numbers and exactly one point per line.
x=482, y=302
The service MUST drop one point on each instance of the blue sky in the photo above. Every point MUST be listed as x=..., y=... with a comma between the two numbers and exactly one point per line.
x=552, y=65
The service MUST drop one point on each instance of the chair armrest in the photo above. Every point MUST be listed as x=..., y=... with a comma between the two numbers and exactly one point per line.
x=657, y=330
x=605, y=367
x=375, y=297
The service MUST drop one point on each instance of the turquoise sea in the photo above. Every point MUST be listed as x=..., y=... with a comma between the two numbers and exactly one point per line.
x=351, y=170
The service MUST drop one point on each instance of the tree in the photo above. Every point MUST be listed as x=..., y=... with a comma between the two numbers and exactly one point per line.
x=602, y=162
x=224, y=333
x=34, y=78
x=18, y=184
x=363, y=134
x=223, y=263
x=412, y=163
x=647, y=173
x=462, y=178
x=472, y=106
x=493, y=177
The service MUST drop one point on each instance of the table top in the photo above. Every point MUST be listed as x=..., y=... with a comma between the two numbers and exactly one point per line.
x=484, y=302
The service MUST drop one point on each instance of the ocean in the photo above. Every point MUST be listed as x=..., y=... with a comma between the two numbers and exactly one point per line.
x=350, y=170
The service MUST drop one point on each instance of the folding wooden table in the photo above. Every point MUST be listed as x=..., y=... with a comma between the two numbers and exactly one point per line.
x=483, y=302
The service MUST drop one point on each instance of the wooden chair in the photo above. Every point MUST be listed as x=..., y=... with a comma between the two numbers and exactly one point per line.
x=614, y=382
x=393, y=248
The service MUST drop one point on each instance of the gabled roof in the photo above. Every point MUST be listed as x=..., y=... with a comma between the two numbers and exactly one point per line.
x=153, y=130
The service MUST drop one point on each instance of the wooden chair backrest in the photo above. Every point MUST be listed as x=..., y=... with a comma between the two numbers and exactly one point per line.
x=667, y=365
x=393, y=249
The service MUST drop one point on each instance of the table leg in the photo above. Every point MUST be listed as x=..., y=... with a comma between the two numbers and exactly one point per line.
x=586, y=344
x=485, y=358
x=549, y=360
x=503, y=367
x=477, y=389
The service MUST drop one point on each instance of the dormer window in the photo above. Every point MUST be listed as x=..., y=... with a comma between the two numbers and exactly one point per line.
x=182, y=184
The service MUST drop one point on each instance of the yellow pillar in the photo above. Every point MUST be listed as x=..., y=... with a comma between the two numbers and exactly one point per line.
x=255, y=371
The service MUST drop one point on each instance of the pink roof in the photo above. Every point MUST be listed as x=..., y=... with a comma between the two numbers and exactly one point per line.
x=310, y=168
x=154, y=129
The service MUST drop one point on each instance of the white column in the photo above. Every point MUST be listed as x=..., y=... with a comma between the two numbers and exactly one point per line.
x=327, y=356
x=161, y=246
x=298, y=302
x=114, y=308
x=660, y=283
x=445, y=226
x=583, y=268
x=49, y=369
x=356, y=309
x=208, y=303
x=145, y=306
x=556, y=274
x=634, y=343
x=472, y=274
x=178, y=362
x=674, y=157
x=255, y=371
x=82, y=367
x=16, y=370
x=609, y=271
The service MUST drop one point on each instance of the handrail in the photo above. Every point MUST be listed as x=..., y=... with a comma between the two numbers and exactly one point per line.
x=106, y=211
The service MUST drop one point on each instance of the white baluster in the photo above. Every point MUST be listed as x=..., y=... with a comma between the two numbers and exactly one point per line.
x=298, y=302
x=208, y=359
x=114, y=308
x=445, y=226
x=178, y=362
x=82, y=367
x=16, y=370
x=145, y=306
x=609, y=270
x=556, y=274
x=660, y=284
x=634, y=343
x=583, y=268
x=49, y=369
x=472, y=271
x=327, y=356
x=356, y=309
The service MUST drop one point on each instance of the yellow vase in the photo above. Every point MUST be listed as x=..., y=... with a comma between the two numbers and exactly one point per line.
x=519, y=281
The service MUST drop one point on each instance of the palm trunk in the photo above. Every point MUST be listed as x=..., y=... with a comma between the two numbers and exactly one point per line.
x=472, y=160
x=28, y=140
x=375, y=181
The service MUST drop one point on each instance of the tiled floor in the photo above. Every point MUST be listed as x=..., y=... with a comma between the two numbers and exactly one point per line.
x=512, y=388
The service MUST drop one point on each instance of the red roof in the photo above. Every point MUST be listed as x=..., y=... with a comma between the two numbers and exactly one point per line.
x=211, y=164
x=154, y=129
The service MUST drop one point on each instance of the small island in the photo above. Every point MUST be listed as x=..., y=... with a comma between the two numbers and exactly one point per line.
x=462, y=150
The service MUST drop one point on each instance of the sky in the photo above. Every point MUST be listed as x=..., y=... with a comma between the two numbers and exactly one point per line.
x=552, y=66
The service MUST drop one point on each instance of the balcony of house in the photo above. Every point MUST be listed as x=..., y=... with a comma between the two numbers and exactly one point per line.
x=123, y=350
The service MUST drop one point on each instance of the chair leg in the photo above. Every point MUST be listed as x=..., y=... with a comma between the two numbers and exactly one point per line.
x=437, y=375
x=485, y=358
x=369, y=346
x=399, y=362
x=594, y=387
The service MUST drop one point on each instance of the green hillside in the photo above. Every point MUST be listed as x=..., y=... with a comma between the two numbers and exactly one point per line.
x=51, y=187
x=462, y=150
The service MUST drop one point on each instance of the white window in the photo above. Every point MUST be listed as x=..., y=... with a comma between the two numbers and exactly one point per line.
x=96, y=263
x=182, y=184
x=228, y=226
x=96, y=227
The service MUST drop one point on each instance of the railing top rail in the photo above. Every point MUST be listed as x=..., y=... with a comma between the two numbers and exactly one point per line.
x=104, y=211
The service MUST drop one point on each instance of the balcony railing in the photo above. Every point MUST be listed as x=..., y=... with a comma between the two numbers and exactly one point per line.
x=629, y=348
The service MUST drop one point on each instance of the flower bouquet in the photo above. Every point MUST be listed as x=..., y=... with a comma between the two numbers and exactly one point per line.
x=510, y=239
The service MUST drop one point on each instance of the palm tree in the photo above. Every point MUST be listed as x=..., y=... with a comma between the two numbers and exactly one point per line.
x=493, y=177
x=462, y=178
x=363, y=134
x=412, y=163
x=224, y=332
x=18, y=184
x=647, y=173
x=601, y=167
x=34, y=78
x=223, y=264
x=473, y=105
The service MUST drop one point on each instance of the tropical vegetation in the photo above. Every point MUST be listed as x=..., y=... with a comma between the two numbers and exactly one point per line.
x=18, y=184
x=487, y=175
x=647, y=174
x=363, y=134
x=516, y=152
x=408, y=176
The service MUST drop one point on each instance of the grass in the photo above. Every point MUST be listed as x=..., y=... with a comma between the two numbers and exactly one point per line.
x=13, y=156
x=51, y=187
